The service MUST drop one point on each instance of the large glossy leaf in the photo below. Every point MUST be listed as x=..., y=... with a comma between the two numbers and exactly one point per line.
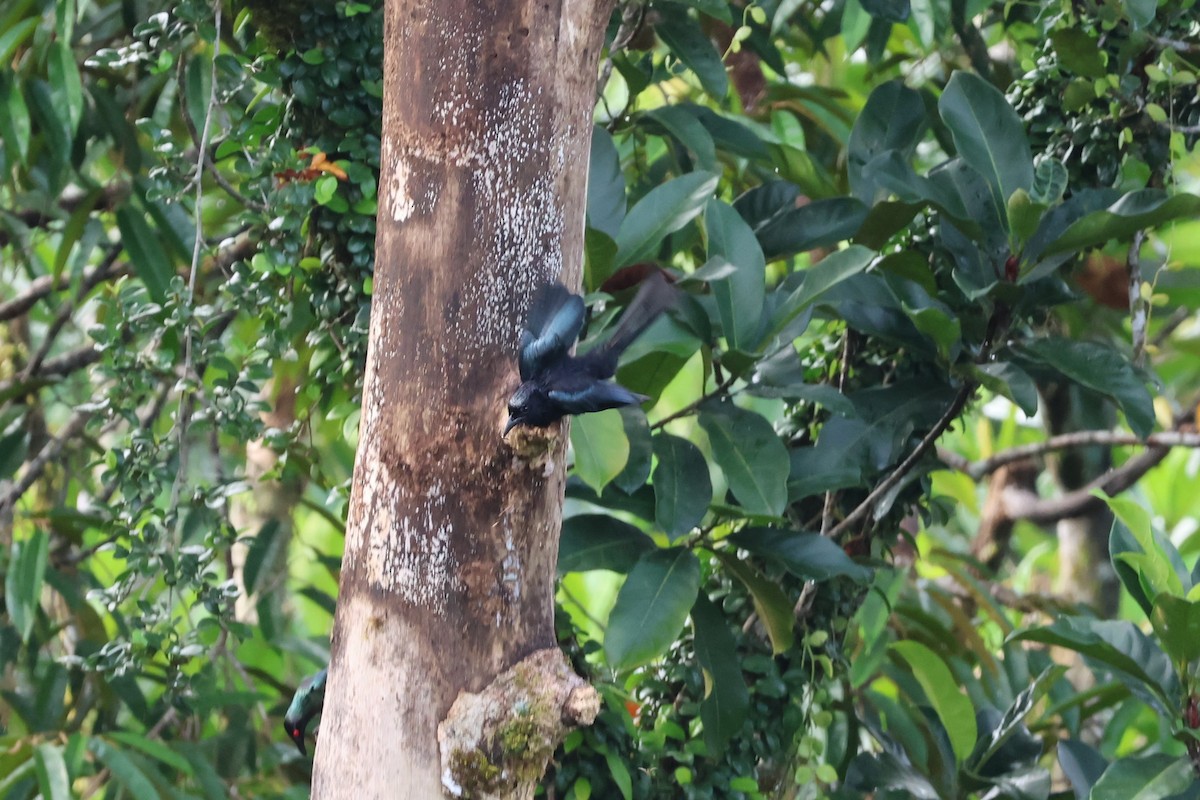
x=1082, y=764
x=751, y=456
x=665, y=208
x=892, y=119
x=774, y=609
x=952, y=706
x=641, y=451
x=124, y=770
x=606, y=185
x=687, y=40
x=598, y=541
x=651, y=607
x=820, y=223
x=601, y=449
x=53, y=778
x=817, y=280
x=806, y=555
x=1121, y=647
x=723, y=710
x=1100, y=369
x=1135, y=211
x=23, y=583
x=740, y=296
x=687, y=130
x=15, y=126
x=65, y=83
x=145, y=251
x=682, y=487
x=1152, y=777
x=988, y=134
x=1177, y=623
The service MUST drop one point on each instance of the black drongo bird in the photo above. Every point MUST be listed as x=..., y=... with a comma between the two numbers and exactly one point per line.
x=306, y=704
x=555, y=383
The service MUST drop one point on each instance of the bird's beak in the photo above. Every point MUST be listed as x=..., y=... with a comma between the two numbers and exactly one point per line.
x=512, y=423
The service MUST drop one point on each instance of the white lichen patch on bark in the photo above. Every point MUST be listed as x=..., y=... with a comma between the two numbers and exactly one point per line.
x=401, y=541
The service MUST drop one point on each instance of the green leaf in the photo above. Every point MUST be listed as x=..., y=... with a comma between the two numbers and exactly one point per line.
x=1049, y=182
x=820, y=223
x=15, y=126
x=1148, y=208
x=23, y=583
x=682, y=487
x=1024, y=215
x=606, y=185
x=1007, y=379
x=1079, y=52
x=726, y=701
x=65, y=84
x=1081, y=764
x=688, y=131
x=123, y=770
x=156, y=750
x=665, y=208
x=892, y=119
x=1144, y=778
x=988, y=134
x=620, y=774
x=1102, y=370
x=641, y=450
x=145, y=251
x=15, y=36
x=199, y=88
x=1140, y=12
x=687, y=40
x=601, y=449
x=1121, y=647
x=1177, y=623
x=952, y=707
x=773, y=607
x=598, y=541
x=809, y=556
x=740, y=296
x=817, y=280
x=53, y=778
x=599, y=251
x=751, y=456
x=651, y=607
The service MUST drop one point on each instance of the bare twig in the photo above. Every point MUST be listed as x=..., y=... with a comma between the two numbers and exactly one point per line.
x=691, y=408
x=62, y=365
x=1027, y=506
x=887, y=484
x=831, y=496
x=46, y=284
x=67, y=308
x=1065, y=441
x=34, y=468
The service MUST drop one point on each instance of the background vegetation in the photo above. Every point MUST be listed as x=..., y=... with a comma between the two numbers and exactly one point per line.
x=941, y=274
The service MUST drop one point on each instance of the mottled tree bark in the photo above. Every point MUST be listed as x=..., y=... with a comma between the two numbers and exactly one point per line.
x=452, y=537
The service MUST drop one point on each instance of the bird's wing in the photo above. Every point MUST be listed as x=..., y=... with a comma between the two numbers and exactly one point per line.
x=654, y=297
x=593, y=395
x=554, y=322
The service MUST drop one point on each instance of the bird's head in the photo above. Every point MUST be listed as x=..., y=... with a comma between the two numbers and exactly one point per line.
x=295, y=725
x=525, y=407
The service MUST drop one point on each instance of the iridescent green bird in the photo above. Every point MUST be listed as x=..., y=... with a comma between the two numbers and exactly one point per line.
x=306, y=704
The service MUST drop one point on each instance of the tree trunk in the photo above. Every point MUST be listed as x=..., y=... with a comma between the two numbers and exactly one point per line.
x=452, y=538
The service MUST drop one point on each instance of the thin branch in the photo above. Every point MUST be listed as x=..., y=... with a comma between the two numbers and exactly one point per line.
x=691, y=408
x=62, y=365
x=1026, y=506
x=33, y=469
x=1065, y=441
x=1175, y=44
x=46, y=284
x=887, y=484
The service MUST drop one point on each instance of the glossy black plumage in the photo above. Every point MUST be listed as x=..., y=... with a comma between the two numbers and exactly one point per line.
x=555, y=383
x=306, y=704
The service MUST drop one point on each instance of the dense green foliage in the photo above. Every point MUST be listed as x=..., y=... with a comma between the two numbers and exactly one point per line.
x=911, y=238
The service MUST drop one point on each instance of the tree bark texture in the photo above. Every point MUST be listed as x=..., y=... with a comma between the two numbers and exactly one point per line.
x=452, y=537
